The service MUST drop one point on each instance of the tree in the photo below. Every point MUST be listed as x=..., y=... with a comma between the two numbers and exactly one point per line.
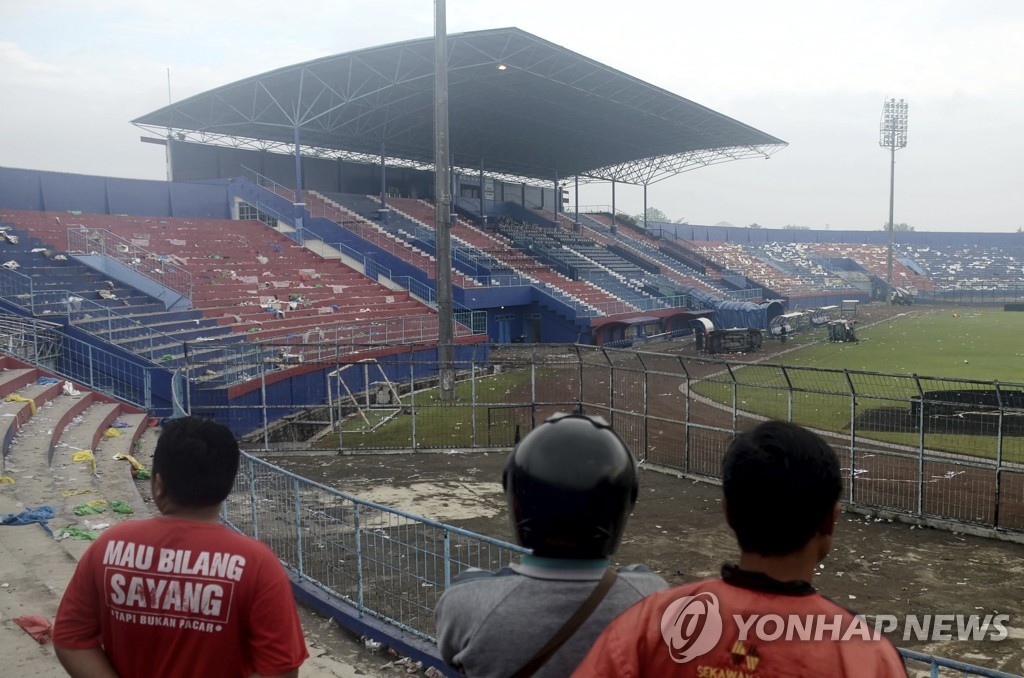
x=901, y=227
x=755, y=225
x=653, y=214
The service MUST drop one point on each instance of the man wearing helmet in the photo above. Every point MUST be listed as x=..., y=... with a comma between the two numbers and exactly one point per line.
x=781, y=485
x=570, y=485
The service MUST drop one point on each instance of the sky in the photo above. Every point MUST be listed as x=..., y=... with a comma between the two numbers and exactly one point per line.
x=815, y=74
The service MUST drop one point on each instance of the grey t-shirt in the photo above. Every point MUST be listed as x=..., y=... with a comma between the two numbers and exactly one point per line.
x=491, y=624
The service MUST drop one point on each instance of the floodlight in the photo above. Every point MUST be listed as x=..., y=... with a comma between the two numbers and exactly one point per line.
x=892, y=135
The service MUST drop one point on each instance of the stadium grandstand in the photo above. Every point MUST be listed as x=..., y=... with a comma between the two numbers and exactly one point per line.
x=295, y=238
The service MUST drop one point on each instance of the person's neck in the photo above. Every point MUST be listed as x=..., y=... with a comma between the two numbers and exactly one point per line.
x=797, y=566
x=206, y=514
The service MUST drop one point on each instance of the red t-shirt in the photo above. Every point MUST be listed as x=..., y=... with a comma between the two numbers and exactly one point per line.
x=746, y=626
x=172, y=597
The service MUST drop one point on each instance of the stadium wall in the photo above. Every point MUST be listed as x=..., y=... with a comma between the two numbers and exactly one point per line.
x=60, y=192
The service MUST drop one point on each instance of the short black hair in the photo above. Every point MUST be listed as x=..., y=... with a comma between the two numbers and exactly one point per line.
x=780, y=481
x=197, y=458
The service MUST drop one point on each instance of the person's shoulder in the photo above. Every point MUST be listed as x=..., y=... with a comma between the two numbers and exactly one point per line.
x=642, y=578
x=474, y=577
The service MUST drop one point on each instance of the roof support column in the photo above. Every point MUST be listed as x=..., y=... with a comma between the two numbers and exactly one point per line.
x=577, y=220
x=558, y=199
x=299, y=205
x=383, y=186
x=483, y=212
x=614, y=228
x=442, y=210
x=645, y=206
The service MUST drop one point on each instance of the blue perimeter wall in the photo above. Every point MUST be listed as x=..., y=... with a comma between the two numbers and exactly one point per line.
x=59, y=192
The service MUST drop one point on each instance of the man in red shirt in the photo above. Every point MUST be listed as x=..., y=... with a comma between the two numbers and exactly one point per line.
x=781, y=486
x=181, y=594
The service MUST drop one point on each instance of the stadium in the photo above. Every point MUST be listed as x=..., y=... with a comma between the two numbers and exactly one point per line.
x=285, y=281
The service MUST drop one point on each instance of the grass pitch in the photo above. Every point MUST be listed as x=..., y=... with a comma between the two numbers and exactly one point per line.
x=985, y=345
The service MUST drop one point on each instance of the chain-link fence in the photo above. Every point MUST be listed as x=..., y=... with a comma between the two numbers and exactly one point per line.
x=938, y=449
x=386, y=563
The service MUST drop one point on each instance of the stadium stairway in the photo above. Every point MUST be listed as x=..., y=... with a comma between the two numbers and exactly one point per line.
x=38, y=451
x=513, y=260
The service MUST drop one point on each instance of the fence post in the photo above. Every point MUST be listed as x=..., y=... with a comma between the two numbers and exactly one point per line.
x=686, y=417
x=920, y=449
x=999, y=456
x=447, y=559
x=252, y=499
x=472, y=399
x=263, y=401
x=298, y=527
x=88, y=359
x=611, y=387
x=412, y=397
x=853, y=435
x=359, y=558
x=533, y=389
x=147, y=385
x=644, y=395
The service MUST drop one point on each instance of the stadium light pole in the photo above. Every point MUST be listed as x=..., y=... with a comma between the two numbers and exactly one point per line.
x=892, y=135
x=442, y=211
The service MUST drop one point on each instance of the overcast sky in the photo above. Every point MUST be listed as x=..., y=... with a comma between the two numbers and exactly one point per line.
x=815, y=74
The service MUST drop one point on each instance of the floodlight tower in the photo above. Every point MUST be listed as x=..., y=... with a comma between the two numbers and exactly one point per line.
x=892, y=135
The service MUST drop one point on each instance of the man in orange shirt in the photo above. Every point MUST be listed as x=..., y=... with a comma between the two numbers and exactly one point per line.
x=781, y=486
x=181, y=594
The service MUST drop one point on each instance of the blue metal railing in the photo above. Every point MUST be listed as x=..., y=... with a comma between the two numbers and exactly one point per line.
x=386, y=563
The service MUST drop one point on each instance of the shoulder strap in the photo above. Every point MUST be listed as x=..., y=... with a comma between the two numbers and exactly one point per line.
x=570, y=626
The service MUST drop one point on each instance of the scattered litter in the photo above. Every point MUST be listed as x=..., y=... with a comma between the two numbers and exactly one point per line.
x=121, y=424
x=46, y=381
x=15, y=398
x=111, y=433
x=75, y=533
x=85, y=455
x=37, y=515
x=69, y=389
x=120, y=507
x=91, y=508
x=6, y=480
x=37, y=626
x=12, y=264
x=74, y=493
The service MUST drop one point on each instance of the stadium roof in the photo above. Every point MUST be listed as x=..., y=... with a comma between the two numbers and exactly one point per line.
x=518, y=106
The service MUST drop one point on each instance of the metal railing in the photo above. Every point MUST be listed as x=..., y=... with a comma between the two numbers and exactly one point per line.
x=935, y=450
x=255, y=177
x=386, y=563
x=389, y=564
x=44, y=345
x=159, y=269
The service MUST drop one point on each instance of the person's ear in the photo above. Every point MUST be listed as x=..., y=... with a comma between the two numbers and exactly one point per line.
x=725, y=510
x=158, y=489
x=828, y=524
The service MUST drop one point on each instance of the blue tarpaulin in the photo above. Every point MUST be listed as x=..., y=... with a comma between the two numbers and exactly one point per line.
x=37, y=515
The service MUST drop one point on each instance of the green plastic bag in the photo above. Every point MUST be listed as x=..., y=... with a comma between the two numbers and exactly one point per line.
x=118, y=506
x=75, y=533
x=89, y=509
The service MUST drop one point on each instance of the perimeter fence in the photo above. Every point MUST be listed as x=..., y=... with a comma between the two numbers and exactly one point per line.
x=935, y=449
x=927, y=447
x=389, y=565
